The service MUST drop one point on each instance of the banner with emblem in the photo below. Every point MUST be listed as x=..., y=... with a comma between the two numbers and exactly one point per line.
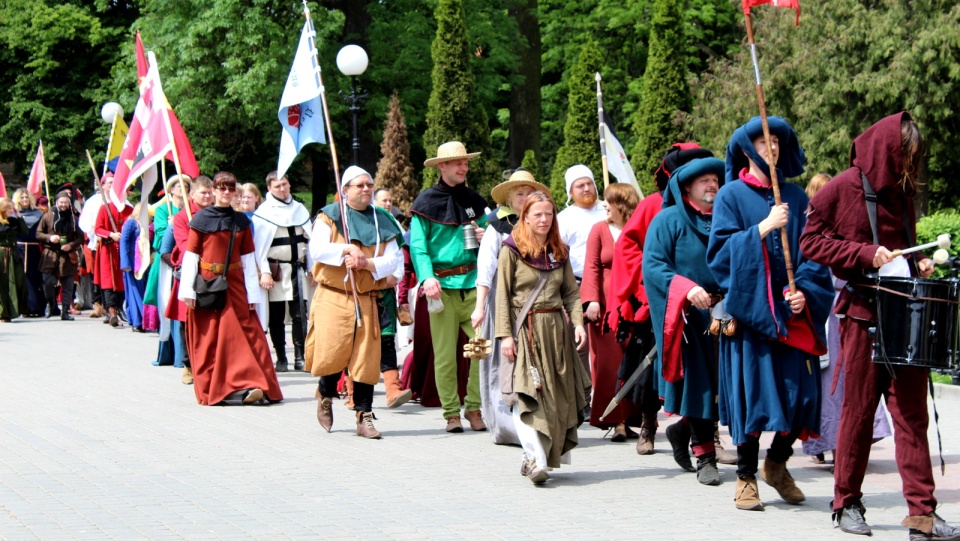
x=301, y=111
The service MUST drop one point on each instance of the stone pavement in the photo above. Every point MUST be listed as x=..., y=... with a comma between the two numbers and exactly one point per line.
x=95, y=443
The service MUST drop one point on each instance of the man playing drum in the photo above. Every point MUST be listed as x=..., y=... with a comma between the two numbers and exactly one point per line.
x=839, y=233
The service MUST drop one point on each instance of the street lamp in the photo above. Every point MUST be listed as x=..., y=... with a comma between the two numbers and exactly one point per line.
x=352, y=61
x=110, y=111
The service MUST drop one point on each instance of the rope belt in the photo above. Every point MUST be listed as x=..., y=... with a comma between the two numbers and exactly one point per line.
x=454, y=271
x=217, y=268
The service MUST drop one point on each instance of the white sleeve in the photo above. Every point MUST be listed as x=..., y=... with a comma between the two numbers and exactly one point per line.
x=250, y=280
x=321, y=249
x=189, y=267
x=487, y=257
x=389, y=263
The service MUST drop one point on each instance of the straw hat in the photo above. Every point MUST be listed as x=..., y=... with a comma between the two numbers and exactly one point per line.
x=517, y=179
x=454, y=150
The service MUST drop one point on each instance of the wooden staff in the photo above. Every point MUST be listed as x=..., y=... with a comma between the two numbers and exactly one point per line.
x=603, y=140
x=771, y=164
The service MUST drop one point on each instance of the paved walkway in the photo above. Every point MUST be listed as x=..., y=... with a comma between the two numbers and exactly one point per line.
x=97, y=444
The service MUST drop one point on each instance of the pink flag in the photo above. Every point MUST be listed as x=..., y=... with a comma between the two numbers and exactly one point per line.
x=789, y=4
x=38, y=174
x=3, y=186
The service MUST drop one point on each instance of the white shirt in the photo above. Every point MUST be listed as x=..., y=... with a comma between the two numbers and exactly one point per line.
x=575, y=224
x=328, y=253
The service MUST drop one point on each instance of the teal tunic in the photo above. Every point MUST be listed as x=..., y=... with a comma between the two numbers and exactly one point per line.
x=440, y=246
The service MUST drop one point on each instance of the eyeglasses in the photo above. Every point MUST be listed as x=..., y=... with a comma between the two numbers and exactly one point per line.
x=226, y=188
x=365, y=186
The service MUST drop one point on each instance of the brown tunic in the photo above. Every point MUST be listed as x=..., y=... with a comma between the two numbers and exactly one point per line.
x=53, y=260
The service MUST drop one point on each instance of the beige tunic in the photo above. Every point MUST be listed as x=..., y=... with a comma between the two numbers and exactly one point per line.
x=556, y=409
x=333, y=340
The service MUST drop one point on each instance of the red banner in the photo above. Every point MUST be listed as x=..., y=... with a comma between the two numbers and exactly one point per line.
x=789, y=4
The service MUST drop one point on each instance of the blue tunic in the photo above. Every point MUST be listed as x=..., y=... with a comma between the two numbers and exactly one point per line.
x=764, y=384
x=133, y=288
x=674, y=252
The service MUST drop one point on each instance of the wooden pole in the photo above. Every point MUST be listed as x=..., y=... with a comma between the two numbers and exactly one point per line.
x=771, y=163
x=46, y=182
x=603, y=140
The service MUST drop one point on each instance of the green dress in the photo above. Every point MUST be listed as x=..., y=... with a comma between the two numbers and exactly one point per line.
x=160, y=219
x=13, y=283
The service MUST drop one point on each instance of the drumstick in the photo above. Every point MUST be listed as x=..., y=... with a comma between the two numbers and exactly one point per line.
x=943, y=241
x=941, y=256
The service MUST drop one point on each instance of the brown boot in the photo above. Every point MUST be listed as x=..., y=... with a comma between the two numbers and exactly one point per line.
x=114, y=319
x=324, y=411
x=97, y=310
x=187, y=377
x=365, y=428
x=348, y=389
x=475, y=418
x=648, y=431
x=776, y=475
x=723, y=457
x=396, y=396
x=747, y=495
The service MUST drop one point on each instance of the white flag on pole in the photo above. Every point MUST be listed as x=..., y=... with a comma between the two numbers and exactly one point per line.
x=301, y=113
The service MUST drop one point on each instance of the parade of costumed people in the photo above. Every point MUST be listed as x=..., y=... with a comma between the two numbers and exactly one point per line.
x=510, y=197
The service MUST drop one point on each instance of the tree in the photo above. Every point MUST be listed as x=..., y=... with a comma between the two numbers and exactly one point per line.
x=525, y=100
x=453, y=113
x=394, y=170
x=530, y=163
x=581, y=140
x=665, y=93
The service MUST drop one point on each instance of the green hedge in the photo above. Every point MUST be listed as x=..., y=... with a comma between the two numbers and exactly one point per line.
x=933, y=225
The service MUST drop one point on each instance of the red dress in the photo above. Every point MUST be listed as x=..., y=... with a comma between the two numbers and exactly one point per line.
x=106, y=272
x=604, y=349
x=176, y=310
x=228, y=349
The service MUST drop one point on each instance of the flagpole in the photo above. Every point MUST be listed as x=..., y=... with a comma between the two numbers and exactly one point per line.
x=336, y=165
x=176, y=157
x=603, y=141
x=43, y=163
x=106, y=157
x=771, y=165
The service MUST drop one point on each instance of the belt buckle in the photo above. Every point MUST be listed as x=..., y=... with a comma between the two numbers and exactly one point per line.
x=216, y=268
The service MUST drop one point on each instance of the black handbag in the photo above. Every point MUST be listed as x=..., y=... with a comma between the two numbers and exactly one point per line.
x=212, y=293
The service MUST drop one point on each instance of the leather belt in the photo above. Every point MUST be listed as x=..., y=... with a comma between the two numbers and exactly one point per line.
x=374, y=293
x=544, y=311
x=454, y=271
x=217, y=268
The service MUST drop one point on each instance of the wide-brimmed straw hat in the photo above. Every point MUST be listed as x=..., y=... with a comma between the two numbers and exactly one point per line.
x=517, y=179
x=454, y=150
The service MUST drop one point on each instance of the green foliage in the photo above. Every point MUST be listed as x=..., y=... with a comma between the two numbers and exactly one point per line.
x=848, y=65
x=531, y=164
x=453, y=112
x=932, y=225
x=665, y=94
x=394, y=170
x=581, y=139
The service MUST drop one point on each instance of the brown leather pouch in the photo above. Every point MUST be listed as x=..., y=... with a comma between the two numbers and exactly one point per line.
x=275, y=270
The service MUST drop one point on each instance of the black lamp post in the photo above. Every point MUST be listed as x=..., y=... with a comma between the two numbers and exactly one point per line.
x=352, y=61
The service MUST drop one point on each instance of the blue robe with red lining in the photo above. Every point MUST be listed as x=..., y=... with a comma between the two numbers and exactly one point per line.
x=765, y=384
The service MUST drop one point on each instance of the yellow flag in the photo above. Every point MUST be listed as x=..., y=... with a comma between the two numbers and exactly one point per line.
x=118, y=134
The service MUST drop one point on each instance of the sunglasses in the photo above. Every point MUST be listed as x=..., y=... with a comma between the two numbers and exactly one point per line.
x=226, y=189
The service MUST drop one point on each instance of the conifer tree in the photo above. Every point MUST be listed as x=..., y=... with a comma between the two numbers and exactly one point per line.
x=530, y=163
x=453, y=113
x=394, y=170
x=665, y=92
x=581, y=140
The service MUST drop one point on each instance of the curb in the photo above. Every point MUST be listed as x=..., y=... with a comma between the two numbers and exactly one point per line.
x=946, y=392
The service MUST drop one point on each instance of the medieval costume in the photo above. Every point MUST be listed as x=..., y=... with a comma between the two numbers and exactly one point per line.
x=839, y=234
x=674, y=263
x=281, y=233
x=176, y=309
x=334, y=342
x=13, y=287
x=35, y=302
x=107, y=273
x=171, y=349
x=160, y=277
x=766, y=383
x=440, y=214
x=548, y=378
x=60, y=259
x=87, y=223
x=229, y=351
x=130, y=264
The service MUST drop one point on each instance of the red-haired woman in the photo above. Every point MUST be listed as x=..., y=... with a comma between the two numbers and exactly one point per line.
x=548, y=379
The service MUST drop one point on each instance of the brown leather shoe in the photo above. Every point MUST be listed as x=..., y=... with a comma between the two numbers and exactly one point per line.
x=776, y=475
x=365, y=428
x=619, y=433
x=187, y=377
x=746, y=495
x=324, y=411
x=252, y=396
x=723, y=456
x=648, y=432
x=453, y=425
x=396, y=396
x=476, y=420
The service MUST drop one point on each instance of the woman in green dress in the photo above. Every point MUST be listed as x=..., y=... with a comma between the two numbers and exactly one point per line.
x=13, y=284
x=546, y=389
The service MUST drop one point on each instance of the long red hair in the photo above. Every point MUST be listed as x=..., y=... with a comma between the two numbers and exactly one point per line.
x=527, y=242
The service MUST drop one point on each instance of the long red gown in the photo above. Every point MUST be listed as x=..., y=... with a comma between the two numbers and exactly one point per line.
x=106, y=272
x=228, y=349
x=606, y=352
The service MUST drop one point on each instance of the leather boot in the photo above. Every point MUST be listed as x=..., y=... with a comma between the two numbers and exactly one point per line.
x=298, y=360
x=281, y=365
x=97, y=310
x=723, y=456
x=747, y=495
x=365, y=428
x=678, y=434
x=850, y=519
x=324, y=411
x=396, y=396
x=65, y=311
x=707, y=473
x=348, y=388
x=114, y=319
x=776, y=475
x=648, y=431
x=187, y=377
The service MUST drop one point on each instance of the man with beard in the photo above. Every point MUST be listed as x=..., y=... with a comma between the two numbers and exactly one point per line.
x=281, y=233
x=681, y=290
x=442, y=215
x=62, y=240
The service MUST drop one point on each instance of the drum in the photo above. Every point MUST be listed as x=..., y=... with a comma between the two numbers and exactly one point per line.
x=916, y=322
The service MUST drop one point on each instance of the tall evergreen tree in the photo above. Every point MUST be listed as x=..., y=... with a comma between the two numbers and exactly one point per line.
x=394, y=170
x=665, y=92
x=532, y=164
x=581, y=140
x=453, y=113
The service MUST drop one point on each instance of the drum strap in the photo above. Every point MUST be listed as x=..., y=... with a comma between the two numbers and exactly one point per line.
x=871, y=198
x=936, y=423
